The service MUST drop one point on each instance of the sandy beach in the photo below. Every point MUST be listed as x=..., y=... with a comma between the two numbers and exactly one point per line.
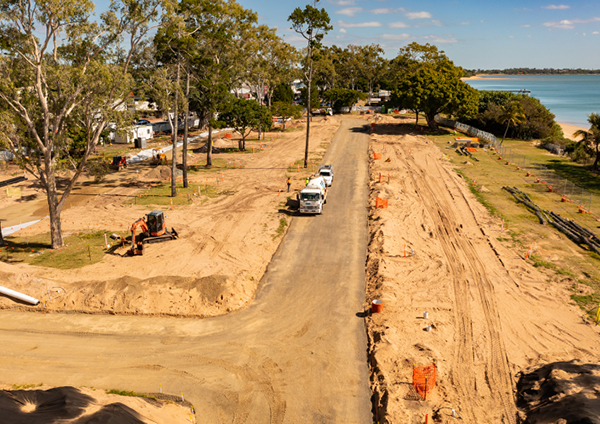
x=570, y=130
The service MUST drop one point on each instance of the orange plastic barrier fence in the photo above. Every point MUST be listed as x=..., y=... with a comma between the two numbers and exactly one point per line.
x=471, y=149
x=376, y=156
x=227, y=135
x=381, y=203
x=424, y=379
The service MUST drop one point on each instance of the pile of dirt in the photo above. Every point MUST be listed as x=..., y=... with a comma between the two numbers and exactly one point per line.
x=204, y=149
x=381, y=119
x=160, y=173
x=86, y=406
x=560, y=392
x=160, y=295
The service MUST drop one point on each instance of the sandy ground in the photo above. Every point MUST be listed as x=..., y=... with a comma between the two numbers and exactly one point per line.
x=569, y=131
x=43, y=404
x=214, y=267
x=491, y=314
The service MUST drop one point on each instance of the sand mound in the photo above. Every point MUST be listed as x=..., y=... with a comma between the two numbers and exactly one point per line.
x=162, y=172
x=84, y=406
x=560, y=392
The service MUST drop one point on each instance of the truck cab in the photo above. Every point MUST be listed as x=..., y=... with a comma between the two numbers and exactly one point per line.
x=313, y=196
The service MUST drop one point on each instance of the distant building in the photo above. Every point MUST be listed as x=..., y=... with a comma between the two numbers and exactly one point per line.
x=140, y=132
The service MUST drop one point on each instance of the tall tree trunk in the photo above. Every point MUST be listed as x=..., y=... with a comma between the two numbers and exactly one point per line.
x=505, y=132
x=259, y=93
x=175, y=131
x=185, y=128
x=417, y=117
x=209, y=144
x=54, y=211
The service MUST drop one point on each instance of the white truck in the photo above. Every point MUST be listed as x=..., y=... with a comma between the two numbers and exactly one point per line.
x=326, y=171
x=313, y=196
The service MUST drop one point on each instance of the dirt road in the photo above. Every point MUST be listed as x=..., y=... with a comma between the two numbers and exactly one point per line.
x=297, y=354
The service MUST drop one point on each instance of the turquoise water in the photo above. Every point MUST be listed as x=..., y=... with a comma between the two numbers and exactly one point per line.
x=571, y=98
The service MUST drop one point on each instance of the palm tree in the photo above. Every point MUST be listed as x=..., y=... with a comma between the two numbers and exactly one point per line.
x=591, y=138
x=513, y=114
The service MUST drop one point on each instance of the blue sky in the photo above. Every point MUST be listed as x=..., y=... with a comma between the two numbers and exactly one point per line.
x=474, y=34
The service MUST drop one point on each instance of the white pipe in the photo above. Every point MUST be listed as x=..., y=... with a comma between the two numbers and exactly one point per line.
x=20, y=296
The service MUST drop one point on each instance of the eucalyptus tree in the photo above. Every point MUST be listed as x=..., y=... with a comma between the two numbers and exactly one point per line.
x=262, y=40
x=60, y=68
x=312, y=24
x=282, y=66
x=371, y=64
x=221, y=34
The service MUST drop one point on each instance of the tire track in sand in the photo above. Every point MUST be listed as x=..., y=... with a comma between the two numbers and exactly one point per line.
x=467, y=271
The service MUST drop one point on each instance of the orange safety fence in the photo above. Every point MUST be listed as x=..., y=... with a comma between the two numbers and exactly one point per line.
x=376, y=156
x=424, y=379
x=381, y=203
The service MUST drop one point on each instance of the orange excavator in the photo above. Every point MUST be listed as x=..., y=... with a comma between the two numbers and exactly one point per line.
x=151, y=229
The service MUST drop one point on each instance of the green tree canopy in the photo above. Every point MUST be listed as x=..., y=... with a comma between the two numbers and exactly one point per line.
x=591, y=139
x=286, y=111
x=432, y=84
x=245, y=115
x=342, y=97
x=283, y=93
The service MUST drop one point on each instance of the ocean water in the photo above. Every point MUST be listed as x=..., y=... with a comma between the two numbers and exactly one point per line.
x=571, y=98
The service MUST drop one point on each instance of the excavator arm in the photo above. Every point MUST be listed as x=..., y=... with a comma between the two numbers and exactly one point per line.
x=140, y=225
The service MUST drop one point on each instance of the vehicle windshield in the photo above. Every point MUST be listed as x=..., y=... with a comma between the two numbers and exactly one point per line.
x=325, y=173
x=309, y=196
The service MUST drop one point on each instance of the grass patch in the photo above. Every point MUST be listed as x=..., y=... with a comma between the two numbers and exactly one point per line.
x=312, y=165
x=26, y=386
x=540, y=263
x=563, y=259
x=129, y=393
x=281, y=229
x=80, y=250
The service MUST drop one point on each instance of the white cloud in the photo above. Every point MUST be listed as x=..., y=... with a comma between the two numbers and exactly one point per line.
x=418, y=15
x=343, y=31
x=344, y=2
x=349, y=11
x=373, y=24
x=435, y=22
x=595, y=32
x=566, y=24
x=382, y=11
x=556, y=7
x=525, y=26
x=395, y=37
x=398, y=25
x=569, y=24
x=465, y=23
x=440, y=40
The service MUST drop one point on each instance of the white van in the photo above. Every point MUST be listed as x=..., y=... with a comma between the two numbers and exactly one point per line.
x=326, y=171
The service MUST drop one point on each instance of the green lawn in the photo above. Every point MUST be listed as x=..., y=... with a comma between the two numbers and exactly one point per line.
x=562, y=259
